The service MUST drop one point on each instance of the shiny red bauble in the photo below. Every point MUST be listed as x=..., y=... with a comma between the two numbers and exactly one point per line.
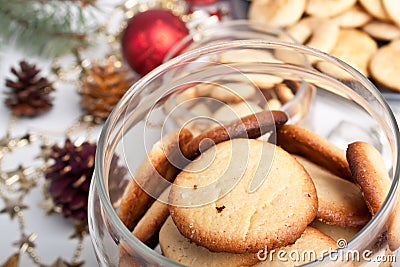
x=149, y=36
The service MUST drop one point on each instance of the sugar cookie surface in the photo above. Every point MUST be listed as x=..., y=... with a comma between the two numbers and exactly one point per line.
x=180, y=249
x=230, y=218
x=340, y=202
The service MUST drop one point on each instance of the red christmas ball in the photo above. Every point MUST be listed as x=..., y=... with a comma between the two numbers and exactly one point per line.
x=148, y=38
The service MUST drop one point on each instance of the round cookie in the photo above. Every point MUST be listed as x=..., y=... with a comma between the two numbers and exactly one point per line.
x=219, y=210
x=135, y=201
x=340, y=202
x=301, y=141
x=311, y=240
x=369, y=172
x=180, y=249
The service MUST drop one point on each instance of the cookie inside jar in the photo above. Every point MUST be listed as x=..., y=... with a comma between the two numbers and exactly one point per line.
x=250, y=187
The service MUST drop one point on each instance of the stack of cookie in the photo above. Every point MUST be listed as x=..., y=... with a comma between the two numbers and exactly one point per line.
x=363, y=33
x=236, y=200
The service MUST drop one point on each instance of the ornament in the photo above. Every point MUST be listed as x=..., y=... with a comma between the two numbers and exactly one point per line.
x=29, y=95
x=26, y=242
x=149, y=36
x=70, y=177
x=13, y=261
x=13, y=206
x=103, y=86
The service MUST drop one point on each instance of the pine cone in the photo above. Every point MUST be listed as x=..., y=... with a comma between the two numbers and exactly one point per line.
x=29, y=95
x=70, y=177
x=103, y=86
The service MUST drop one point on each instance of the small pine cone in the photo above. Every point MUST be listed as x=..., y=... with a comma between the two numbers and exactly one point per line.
x=29, y=95
x=103, y=86
x=70, y=177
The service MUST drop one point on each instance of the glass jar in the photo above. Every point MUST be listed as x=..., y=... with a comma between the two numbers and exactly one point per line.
x=226, y=31
x=140, y=119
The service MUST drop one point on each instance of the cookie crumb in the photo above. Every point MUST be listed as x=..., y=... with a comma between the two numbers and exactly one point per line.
x=219, y=209
x=195, y=186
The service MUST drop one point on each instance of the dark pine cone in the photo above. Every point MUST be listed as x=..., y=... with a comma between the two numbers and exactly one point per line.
x=29, y=95
x=70, y=177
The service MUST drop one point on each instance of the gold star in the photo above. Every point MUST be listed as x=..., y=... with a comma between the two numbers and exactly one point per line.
x=49, y=206
x=13, y=206
x=26, y=184
x=13, y=176
x=5, y=142
x=26, y=242
x=80, y=230
x=45, y=152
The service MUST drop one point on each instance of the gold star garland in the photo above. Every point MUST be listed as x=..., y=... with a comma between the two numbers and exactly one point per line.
x=17, y=183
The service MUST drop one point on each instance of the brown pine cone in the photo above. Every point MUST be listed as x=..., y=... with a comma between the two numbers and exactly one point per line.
x=29, y=95
x=70, y=176
x=103, y=86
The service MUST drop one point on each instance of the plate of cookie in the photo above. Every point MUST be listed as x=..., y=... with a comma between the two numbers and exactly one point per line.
x=226, y=179
x=363, y=33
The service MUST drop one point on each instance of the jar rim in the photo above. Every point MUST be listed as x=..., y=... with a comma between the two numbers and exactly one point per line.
x=119, y=109
x=221, y=25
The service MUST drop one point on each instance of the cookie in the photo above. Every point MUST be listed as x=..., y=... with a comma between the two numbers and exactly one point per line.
x=315, y=32
x=135, y=201
x=152, y=220
x=311, y=240
x=336, y=232
x=233, y=92
x=353, y=18
x=340, y=202
x=251, y=126
x=392, y=8
x=369, y=172
x=355, y=48
x=376, y=9
x=231, y=112
x=382, y=30
x=385, y=65
x=180, y=249
x=328, y=8
x=278, y=13
x=219, y=209
x=301, y=141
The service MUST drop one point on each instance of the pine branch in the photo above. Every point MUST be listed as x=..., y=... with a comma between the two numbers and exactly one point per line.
x=47, y=28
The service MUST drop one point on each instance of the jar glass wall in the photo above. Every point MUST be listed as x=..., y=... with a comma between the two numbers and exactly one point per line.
x=343, y=97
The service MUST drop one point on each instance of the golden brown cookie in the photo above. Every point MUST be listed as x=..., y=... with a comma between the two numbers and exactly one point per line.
x=301, y=141
x=152, y=220
x=218, y=209
x=384, y=65
x=369, y=172
x=251, y=126
x=180, y=249
x=312, y=240
x=135, y=201
x=340, y=202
